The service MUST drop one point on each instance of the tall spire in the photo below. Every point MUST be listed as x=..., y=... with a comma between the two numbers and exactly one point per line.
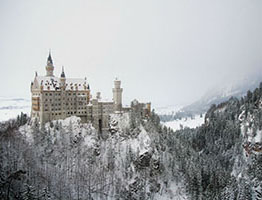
x=63, y=73
x=49, y=59
x=49, y=67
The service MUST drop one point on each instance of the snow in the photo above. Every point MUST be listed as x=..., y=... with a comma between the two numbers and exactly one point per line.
x=72, y=124
x=122, y=119
x=54, y=82
x=258, y=137
x=141, y=143
x=117, y=145
x=185, y=122
x=27, y=131
x=11, y=107
x=174, y=191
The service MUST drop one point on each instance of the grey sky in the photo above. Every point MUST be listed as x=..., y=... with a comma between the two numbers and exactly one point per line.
x=168, y=51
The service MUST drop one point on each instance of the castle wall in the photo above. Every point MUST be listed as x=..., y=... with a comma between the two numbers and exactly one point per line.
x=56, y=98
x=54, y=105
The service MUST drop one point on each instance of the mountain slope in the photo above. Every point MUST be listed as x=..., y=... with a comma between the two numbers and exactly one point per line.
x=69, y=160
x=11, y=107
x=213, y=96
x=138, y=159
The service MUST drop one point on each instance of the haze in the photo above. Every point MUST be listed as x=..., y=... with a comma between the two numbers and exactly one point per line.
x=168, y=52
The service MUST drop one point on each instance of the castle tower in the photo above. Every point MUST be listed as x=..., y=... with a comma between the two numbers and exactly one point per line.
x=117, y=95
x=63, y=93
x=49, y=67
x=62, y=78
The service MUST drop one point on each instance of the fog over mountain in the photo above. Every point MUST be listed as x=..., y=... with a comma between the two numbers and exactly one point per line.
x=169, y=52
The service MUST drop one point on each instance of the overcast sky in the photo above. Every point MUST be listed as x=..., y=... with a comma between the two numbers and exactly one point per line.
x=168, y=52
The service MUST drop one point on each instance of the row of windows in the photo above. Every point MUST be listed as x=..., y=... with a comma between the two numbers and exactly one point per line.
x=79, y=98
x=70, y=113
x=70, y=108
x=58, y=104
x=83, y=99
x=59, y=94
x=76, y=93
x=51, y=99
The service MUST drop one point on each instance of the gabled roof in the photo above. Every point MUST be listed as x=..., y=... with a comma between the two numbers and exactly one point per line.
x=53, y=83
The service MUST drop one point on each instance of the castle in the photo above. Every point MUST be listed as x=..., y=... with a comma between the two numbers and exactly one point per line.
x=56, y=98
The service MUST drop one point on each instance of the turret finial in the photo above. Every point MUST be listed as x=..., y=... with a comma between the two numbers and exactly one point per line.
x=63, y=73
x=49, y=59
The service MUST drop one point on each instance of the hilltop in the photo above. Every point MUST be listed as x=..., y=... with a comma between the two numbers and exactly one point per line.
x=138, y=158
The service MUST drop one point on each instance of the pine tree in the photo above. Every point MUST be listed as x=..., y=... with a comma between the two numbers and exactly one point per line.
x=29, y=193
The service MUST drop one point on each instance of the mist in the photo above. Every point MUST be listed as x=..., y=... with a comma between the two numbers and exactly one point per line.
x=167, y=52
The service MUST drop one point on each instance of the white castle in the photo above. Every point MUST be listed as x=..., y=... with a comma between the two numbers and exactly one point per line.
x=56, y=98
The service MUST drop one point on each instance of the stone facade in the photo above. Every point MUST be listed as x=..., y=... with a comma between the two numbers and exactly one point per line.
x=56, y=98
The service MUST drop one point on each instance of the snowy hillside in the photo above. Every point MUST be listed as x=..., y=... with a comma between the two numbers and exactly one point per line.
x=237, y=88
x=11, y=107
x=190, y=122
x=71, y=160
x=138, y=158
x=221, y=93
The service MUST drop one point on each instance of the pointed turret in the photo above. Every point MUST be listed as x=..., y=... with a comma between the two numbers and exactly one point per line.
x=63, y=78
x=63, y=73
x=49, y=59
x=49, y=67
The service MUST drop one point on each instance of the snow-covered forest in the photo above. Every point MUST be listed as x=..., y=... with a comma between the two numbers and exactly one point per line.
x=138, y=158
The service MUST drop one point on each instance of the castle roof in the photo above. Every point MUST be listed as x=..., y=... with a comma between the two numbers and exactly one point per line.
x=63, y=73
x=53, y=83
x=49, y=59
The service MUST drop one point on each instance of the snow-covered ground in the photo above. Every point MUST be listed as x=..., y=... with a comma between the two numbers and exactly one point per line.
x=11, y=107
x=185, y=122
x=64, y=133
